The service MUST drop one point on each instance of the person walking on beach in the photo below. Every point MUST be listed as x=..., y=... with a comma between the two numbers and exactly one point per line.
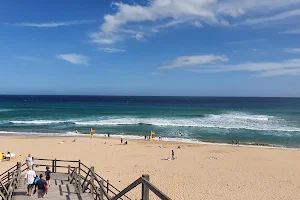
x=29, y=161
x=29, y=180
x=173, y=155
x=48, y=175
x=42, y=187
x=121, y=140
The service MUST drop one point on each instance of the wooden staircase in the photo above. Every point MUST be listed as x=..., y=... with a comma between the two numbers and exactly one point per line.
x=74, y=181
x=60, y=189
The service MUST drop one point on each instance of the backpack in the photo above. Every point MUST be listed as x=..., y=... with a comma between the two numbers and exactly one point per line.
x=47, y=173
x=36, y=179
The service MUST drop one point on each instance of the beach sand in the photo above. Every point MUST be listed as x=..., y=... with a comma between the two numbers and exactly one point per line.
x=198, y=172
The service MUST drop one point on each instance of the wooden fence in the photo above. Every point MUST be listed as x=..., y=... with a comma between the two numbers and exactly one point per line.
x=83, y=177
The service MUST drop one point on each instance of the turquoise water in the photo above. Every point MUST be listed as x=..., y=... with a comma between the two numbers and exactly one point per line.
x=260, y=120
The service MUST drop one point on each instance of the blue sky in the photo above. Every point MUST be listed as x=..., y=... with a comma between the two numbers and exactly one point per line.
x=158, y=47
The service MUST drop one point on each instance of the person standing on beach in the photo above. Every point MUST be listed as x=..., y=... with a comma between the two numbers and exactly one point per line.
x=121, y=140
x=42, y=187
x=29, y=161
x=29, y=180
x=173, y=155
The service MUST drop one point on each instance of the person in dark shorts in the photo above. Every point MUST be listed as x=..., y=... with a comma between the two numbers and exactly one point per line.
x=29, y=180
x=48, y=175
x=42, y=187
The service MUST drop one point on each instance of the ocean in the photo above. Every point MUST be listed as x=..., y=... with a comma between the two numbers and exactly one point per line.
x=263, y=121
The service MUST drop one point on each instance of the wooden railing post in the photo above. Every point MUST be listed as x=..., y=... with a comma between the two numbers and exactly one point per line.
x=19, y=165
x=107, y=186
x=145, y=190
x=69, y=171
x=101, y=192
x=8, y=176
x=53, y=164
x=92, y=181
x=79, y=167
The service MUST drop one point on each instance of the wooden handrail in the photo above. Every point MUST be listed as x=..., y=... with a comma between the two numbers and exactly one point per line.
x=44, y=159
x=10, y=169
x=10, y=182
x=100, y=185
x=147, y=184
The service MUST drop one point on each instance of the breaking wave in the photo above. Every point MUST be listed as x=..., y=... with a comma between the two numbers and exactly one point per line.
x=233, y=120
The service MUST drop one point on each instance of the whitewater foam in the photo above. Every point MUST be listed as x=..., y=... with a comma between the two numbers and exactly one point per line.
x=136, y=137
x=6, y=110
x=39, y=122
x=234, y=120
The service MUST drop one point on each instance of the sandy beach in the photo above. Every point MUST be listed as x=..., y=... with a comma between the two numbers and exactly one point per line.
x=198, y=172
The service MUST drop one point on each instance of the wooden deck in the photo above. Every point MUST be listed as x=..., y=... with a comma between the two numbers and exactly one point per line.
x=60, y=189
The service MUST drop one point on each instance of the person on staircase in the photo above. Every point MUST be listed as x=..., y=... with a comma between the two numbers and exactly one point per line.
x=29, y=180
x=42, y=187
x=48, y=175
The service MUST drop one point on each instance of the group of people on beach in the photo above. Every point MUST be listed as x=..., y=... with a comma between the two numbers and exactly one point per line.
x=36, y=183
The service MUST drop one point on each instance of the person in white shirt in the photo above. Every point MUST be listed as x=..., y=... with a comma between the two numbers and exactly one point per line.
x=29, y=161
x=29, y=180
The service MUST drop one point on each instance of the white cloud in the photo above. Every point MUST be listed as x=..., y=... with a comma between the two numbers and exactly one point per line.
x=281, y=16
x=112, y=50
x=232, y=12
x=285, y=67
x=280, y=72
x=197, y=24
x=27, y=58
x=162, y=14
x=76, y=59
x=295, y=31
x=53, y=24
x=101, y=38
x=194, y=61
x=139, y=36
x=295, y=50
x=157, y=9
x=211, y=64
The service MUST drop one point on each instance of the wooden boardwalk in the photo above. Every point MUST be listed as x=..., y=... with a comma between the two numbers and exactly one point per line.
x=60, y=189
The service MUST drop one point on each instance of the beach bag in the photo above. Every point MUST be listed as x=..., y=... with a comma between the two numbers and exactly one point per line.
x=46, y=188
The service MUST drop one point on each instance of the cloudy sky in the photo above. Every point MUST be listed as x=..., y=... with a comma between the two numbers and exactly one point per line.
x=151, y=47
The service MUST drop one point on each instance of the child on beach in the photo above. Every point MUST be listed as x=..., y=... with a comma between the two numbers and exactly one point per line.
x=48, y=175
